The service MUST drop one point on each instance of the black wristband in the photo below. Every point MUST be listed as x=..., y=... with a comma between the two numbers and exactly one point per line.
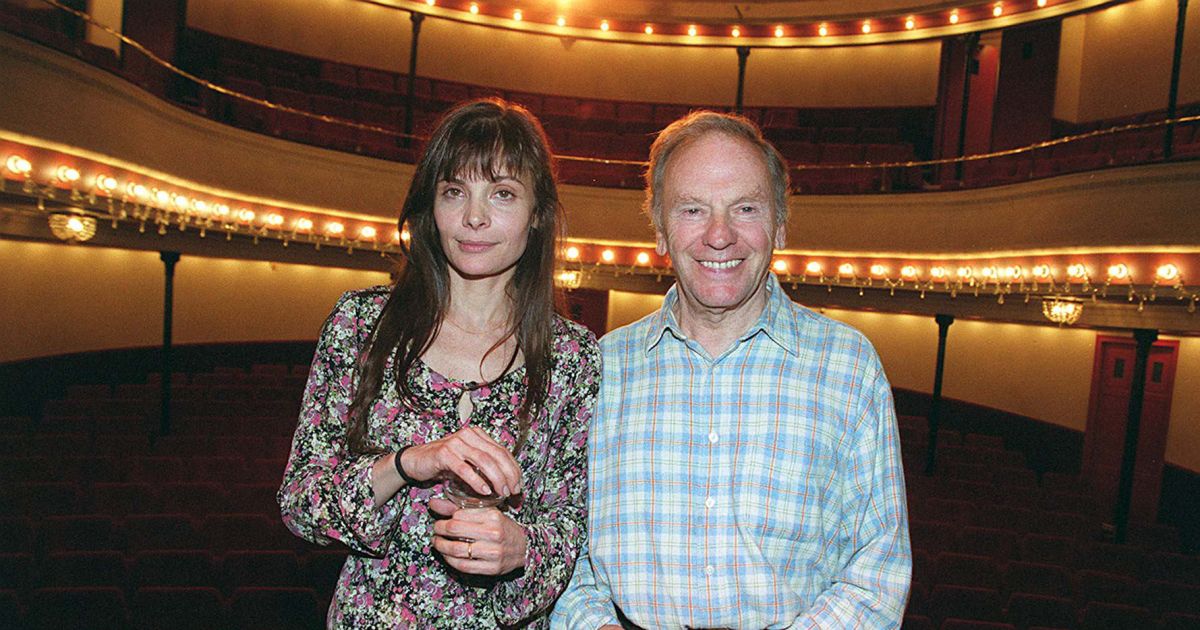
x=400, y=467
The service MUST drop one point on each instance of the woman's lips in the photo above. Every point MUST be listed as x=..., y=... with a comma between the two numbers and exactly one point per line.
x=475, y=247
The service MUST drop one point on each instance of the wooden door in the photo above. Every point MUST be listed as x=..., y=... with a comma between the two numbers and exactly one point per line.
x=1108, y=411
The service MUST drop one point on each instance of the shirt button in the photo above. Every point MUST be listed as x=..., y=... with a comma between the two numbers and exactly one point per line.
x=712, y=437
x=709, y=502
x=709, y=570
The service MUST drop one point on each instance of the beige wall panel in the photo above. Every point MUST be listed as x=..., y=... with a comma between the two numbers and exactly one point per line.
x=896, y=75
x=108, y=13
x=220, y=300
x=60, y=299
x=358, y=33
x=1070, y=68
x=1183, y=436
x=868, y=76
x=625, y=307
x=1127, y=54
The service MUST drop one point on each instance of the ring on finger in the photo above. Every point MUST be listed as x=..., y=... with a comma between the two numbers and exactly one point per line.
x=469, y=555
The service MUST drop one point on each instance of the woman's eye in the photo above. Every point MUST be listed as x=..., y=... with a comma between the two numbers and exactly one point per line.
x=452, y=191
x=505, y=194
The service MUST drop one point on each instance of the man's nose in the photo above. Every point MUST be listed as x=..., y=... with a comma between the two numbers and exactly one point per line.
x=717, y=232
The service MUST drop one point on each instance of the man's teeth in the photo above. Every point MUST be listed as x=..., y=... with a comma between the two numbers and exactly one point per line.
x=728, y=264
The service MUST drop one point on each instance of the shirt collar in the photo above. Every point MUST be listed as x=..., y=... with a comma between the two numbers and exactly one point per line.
x=774, y=321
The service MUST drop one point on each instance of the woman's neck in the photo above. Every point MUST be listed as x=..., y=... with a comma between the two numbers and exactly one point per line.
x=480, y=305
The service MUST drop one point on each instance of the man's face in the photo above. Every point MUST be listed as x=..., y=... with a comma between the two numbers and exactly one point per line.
x=718, y=224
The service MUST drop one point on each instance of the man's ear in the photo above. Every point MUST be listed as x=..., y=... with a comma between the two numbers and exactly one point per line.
x=660, y=243
x=781, y=235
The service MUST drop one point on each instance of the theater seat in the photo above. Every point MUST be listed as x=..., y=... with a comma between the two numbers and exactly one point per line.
x=260, y=568
x=1104, y=616
x=970, y=624
x=173, y=568
x=94, y=608
x=176, y=608
x=1037, y=578
x=274, y=609
x=161, y=531
x=1026, y=610
x=11, y=610
x=963, y=602
x=85, y=568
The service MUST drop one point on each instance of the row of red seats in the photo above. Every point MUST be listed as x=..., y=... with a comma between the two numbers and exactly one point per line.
x=163, y=608
x=962, y=607
x=227, y=571
x=1120, y=149
x=117, y=498
x=36, y=470
x=1094, y=578
x=214, y=532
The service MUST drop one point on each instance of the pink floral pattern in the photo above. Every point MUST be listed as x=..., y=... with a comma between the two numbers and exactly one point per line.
x=393, y=577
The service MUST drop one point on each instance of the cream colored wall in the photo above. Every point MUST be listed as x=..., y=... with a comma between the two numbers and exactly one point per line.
x=1038, y=371
x=1122, y=59
x=896, y=75
x=91, y=298
x=108, y=13
x=1183, y=436
x=625, y=307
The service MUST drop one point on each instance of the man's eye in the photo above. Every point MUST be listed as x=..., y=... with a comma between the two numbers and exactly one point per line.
x=748, y=209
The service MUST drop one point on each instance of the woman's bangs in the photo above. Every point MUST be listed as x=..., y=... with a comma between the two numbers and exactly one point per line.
x=485, y=151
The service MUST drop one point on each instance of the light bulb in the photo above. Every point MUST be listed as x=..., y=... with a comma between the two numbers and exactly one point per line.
x=1167, y=272
x=67, y=174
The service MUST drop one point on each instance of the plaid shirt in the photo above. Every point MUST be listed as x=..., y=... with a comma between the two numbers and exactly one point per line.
x=758, y=489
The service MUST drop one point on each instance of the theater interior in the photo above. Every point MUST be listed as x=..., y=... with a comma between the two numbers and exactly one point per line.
x=1004, y=196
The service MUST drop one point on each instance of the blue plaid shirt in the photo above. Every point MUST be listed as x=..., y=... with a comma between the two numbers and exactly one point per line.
x=758, y=489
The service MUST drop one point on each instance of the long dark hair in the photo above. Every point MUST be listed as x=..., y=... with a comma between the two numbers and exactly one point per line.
x=484, y=138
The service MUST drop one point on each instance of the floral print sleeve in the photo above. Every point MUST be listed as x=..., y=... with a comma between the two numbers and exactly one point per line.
x=326, y=493
x=394, y=578
x=555, y=524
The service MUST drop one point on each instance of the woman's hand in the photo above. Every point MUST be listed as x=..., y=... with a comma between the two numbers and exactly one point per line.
x=469, y=454
x=479, y=541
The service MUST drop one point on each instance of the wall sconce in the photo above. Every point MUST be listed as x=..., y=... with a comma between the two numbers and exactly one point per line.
x=72, y=228
x=1062, y=311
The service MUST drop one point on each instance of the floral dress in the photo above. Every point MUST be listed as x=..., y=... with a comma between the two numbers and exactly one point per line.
x=394, y=578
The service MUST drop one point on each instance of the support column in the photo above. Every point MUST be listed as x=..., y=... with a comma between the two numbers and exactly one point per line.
x=743, y=53
x=1173, y=95
x=935, y=403
x=169, y=259
x=970, y=66
x=411, y=97
x=1137, y=392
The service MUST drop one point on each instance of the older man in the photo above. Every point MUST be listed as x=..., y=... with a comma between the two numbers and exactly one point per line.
x=744, y=466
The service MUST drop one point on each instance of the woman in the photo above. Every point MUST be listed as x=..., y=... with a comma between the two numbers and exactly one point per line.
x=462, y=370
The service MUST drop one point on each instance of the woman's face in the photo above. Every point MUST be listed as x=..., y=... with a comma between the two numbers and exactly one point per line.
x=483, y=224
